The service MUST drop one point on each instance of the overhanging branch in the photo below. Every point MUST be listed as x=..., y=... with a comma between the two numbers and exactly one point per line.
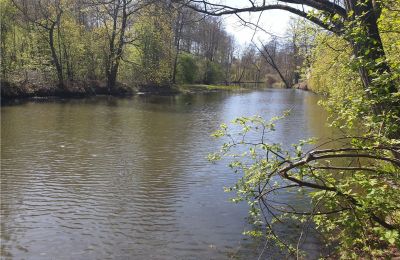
x=219, y=10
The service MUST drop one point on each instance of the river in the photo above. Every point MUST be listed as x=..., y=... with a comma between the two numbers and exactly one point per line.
x=108, y=178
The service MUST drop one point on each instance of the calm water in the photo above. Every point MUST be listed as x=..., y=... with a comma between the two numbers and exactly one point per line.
x=113, y=178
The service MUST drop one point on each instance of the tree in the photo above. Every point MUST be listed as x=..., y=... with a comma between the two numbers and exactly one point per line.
x=354, y=187
x=46, y=14
x=302, y=34
x=117, y=17
x=269, y=51
x=180, y=21
x=154, y=45
x=355, y=202
x=356, y=21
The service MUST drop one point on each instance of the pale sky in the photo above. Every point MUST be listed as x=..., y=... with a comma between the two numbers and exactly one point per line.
x=273, y=21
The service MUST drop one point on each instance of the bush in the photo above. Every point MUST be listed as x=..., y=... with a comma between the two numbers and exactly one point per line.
x=213, y=73
x=187, y=69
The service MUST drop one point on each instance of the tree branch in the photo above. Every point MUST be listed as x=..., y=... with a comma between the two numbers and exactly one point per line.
x=219, y=10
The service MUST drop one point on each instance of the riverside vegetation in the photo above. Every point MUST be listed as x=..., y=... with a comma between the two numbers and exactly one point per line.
x=347, y=50
x=353, y=181
x=72, y=47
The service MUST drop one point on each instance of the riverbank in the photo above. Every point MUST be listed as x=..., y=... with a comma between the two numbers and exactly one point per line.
x=201, y=88
x=302, y=85
x=70, y=89
x=77, y=89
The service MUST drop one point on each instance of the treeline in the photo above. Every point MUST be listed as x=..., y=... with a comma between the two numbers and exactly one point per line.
x=283, y=60
x=142, y=43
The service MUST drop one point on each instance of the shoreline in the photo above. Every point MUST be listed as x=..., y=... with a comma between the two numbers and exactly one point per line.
x=71, y=89
x=11, y=92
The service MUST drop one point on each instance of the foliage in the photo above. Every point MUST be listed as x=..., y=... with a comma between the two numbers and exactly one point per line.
x=75, y=42
x=389, y=23
x=212, y=72
x=352, y=181
x=135, y=42
x=374, y=109
x=154, y=56
x=355, y=202
x=187, y=68
x=23, y=57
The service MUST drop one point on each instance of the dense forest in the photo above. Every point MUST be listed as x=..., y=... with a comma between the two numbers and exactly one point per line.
x=113, y=44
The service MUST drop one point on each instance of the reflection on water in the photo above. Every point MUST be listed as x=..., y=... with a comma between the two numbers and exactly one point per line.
x=109, y=178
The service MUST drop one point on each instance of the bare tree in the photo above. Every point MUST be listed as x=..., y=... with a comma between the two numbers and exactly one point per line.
x=270, y=53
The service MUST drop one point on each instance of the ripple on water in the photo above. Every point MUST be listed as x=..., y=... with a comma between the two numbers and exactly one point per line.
x=100, y=179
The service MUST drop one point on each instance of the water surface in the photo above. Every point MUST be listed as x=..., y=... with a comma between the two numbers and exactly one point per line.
x=108, y=178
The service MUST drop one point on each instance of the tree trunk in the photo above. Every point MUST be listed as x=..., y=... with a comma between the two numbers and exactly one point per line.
x=174, y=69
x=370, y=48
x=178, y=33
x=55, y=57
x=116, y=48
x=112, y=77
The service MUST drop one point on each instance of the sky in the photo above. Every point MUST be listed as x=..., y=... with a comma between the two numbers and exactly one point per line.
x=273, y=21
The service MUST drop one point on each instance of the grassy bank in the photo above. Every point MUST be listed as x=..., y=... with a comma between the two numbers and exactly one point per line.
x=195, y=88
